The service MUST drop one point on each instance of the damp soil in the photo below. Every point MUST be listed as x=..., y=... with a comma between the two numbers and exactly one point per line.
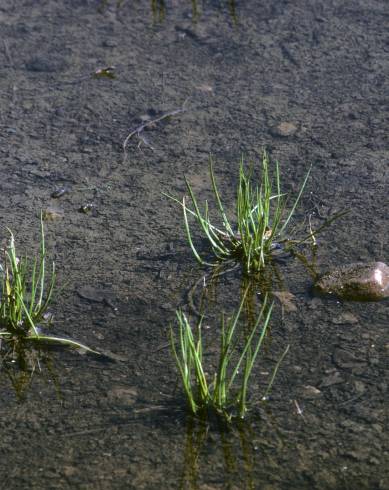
x=304, y=79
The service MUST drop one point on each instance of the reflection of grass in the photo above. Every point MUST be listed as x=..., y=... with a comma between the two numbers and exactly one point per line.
x=233, y=444
x=226, y=391
x=260, y=215
x=19, y=361
x=26, y=293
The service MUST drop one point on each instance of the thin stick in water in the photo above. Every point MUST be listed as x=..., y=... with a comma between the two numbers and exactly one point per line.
x=138, y=130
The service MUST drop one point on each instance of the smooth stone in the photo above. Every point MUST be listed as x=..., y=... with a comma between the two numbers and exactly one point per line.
x=356, y=282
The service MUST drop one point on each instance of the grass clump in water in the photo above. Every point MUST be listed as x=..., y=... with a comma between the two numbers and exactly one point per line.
x=224, y=393
x=261, y=219
x=26, y=293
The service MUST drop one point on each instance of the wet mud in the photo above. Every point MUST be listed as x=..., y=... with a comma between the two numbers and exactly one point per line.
x=306, y=81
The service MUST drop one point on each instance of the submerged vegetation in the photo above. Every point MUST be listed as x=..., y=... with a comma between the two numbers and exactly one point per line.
x=225, y=392
x=26, y=293
x=261, y=220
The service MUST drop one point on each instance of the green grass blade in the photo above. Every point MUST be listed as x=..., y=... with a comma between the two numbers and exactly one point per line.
x=61, y=341
x=226, y=222
x=286, y=222
x=275, y=371
x=189, y=236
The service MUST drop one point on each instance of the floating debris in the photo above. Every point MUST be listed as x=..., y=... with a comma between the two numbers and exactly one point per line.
x=59, y=192
x=107, y=72
x=87, y=208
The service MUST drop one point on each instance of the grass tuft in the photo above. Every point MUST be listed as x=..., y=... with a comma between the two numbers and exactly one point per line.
x=261, y=219
x=224, y=393
x=26, y=293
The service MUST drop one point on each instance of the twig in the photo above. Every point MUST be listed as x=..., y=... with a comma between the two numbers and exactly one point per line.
x=138, y=130
x=298, y=409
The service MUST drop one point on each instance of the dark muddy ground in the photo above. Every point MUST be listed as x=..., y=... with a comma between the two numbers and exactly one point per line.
x=124, y=267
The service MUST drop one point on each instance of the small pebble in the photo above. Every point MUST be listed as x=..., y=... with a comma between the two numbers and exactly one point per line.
x=205, y=88
x=359, y=387
x=284, y=129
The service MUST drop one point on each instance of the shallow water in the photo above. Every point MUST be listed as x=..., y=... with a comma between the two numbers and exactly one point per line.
x=242, y=71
